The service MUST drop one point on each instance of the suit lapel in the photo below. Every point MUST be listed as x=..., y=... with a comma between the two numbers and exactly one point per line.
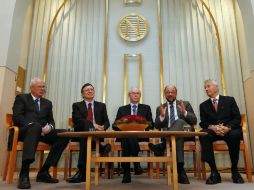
x=177, y=109
x=210, y=105
x=128, y=110
x=95, y=110
x=32, y=103
x=220, y=104
x=139, y=113
x=83, y=108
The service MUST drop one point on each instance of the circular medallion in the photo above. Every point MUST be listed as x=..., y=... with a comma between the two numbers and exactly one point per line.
x=133, y=27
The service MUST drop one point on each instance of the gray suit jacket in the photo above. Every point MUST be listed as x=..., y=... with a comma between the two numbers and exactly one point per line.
x=190, y=118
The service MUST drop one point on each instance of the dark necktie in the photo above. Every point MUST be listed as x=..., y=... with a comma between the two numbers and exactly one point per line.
x=215, y=104
x=134, y=109
x=37, y=107
x=89, y=113
x=172, y=114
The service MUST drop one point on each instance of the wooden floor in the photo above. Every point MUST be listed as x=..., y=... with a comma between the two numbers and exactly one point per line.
x=138, y=183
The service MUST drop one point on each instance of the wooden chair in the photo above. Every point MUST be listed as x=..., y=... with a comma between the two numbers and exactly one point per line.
x=10, y=159
x=73, y=146
x=222, y=146
x=190, y=145
x=116, y=147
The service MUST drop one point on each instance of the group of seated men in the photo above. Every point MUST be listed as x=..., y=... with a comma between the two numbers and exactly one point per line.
x=219, y=115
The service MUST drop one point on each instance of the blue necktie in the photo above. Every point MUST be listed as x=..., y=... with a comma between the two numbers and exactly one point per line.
x=134, y=110
x=37, y=107
x=172, y=114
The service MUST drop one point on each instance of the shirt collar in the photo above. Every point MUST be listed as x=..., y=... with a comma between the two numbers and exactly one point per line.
x=174, y=103
x=92, y=102
x=133, y=104
x=217, y=98
x=34, y=98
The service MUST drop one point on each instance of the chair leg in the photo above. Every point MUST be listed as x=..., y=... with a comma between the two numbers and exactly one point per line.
x=66, y=162
x=41, y=159
x=55, y=172
x=194, y=164
x=12, y=163
x=203, y=171
x=6, y=164
x=118, y=164
x=247, y=165
x=157, y=170
x=70, y=163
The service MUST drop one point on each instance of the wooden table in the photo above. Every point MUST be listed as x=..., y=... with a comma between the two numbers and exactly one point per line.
x=169, y=158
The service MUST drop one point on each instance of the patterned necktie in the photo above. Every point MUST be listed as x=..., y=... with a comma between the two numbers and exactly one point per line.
x=134, y=109
x=172, y=114
x=215, y=104
x=89, y=113
x=37, y=106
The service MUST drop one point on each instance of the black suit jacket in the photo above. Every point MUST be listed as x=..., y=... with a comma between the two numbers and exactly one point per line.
x=228, y=113
x=24, y=111
x=143, y=110
x=79, y=114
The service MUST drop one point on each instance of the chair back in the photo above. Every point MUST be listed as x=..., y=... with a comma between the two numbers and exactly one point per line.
x=70, y=122
x=8, y=120
x=243, y=122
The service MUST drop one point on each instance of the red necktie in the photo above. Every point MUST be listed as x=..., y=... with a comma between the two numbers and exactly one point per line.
x=215, y=104
x=89, y=113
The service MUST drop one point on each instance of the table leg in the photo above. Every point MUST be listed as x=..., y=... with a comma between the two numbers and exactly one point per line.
x=97, y=154
x=88, y=162
x=175, y=175
x=168, y=163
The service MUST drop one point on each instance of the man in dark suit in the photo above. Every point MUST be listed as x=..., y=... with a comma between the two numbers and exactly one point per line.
x=130, y=147
x=220, y=118
x=33, y=115
x=88, y=115
x=174, y=115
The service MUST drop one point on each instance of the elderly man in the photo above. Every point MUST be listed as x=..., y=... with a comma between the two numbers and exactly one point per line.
x=88, y=115
x=130, y=147
x=220, y=118
x=33, y=115
x=173, y=116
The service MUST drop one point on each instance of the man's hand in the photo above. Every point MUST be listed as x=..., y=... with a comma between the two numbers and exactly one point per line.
x=46, y=129
x=181, y=107
x=162, y=110
x=220, y=129
x=98, y=127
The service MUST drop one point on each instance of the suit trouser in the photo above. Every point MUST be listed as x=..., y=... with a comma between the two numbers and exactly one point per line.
x=130, y=147
x=31, y=136
x=84, y=126
x=232, y=138
x=177, y=126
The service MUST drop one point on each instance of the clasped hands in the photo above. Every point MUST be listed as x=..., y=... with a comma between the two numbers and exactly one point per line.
x=46, y=129
x=98, y=127
x=219, y=129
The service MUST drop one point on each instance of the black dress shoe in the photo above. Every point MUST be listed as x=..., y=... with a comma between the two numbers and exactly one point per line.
x=24, y=182
x=45, y=178
x=214, y=178
x=182, y=177
x=156, y=149
x=105, y=150
x=237, y=178
x=126, y=178
x=79, y=177
x=138, y=170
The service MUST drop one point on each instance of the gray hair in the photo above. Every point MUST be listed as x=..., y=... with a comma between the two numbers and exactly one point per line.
x=132, y=89
x=213, y=81
x=35, y=81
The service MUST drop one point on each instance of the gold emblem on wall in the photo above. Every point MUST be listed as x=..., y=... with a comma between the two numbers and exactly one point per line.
x=133, y=27
x=132, y=2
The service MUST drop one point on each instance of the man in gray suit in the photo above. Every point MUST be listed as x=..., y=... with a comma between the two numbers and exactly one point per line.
x=174, y=115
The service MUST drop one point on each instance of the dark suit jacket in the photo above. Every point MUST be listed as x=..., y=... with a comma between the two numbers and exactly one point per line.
x=79, y=114
x=191, y=118
x=24, y=111
x=228, y=113
x=143, y=110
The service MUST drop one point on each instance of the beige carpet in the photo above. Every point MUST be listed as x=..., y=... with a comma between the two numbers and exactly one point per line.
x=138, y=183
